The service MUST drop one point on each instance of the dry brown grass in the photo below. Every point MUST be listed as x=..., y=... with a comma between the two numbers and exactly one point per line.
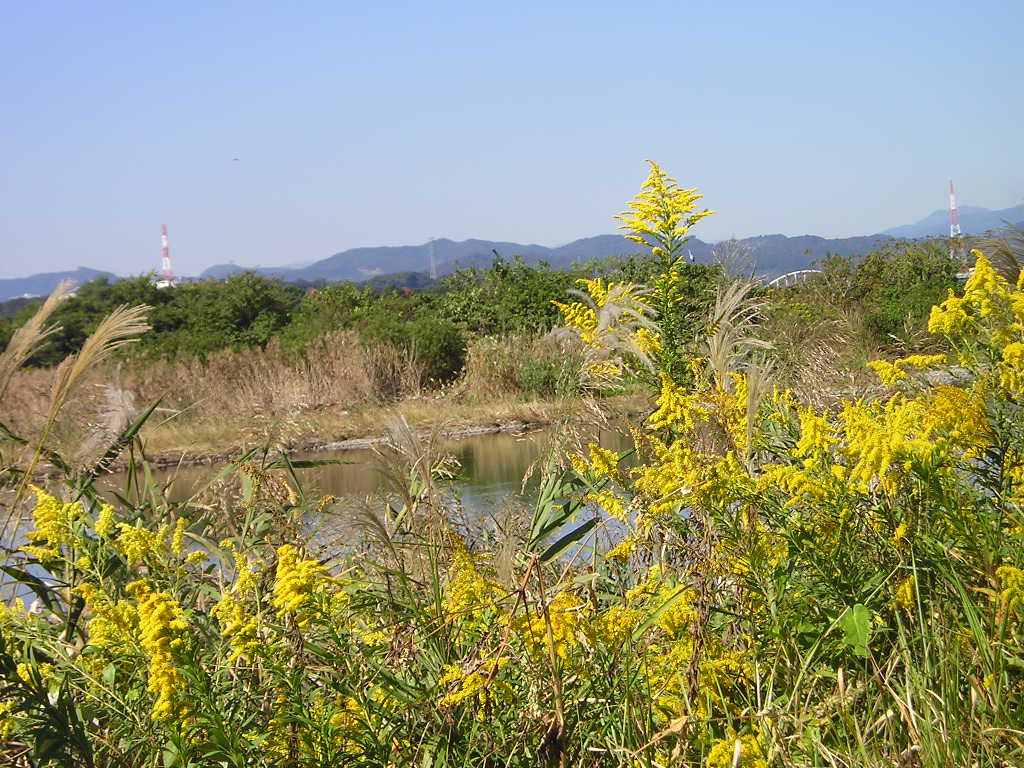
x=501, y=367
x=821, y=353
x=244, y=399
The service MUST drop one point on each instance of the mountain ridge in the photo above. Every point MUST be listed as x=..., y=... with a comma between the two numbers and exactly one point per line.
x=973, y=221
x=770, y=254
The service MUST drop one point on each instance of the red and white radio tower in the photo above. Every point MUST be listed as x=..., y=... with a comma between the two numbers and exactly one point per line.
x=166, y=273
x=956, y=246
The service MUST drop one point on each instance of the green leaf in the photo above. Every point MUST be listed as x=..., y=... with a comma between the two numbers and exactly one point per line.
x=42, y=590
x=856, y=626
x=566, y=540
x=657, y=613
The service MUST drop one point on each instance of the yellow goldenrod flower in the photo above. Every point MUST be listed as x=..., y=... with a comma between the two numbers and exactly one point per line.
x=1011, y=367
x=565, y=615
x=905, y=593
x=135, y=543
x=948, y=318
x=816, y=434
x=469, y=590
x=104, y=520
x=677, y=408
x=736, y=752
x=297, y=581
x=163, y=634
x=887, y=372
x=196, y=557
x=662, y=213
x=478, y=684
x=178, y=537
x=7, y=721
x=1012, y=580
x=622, y=551
x=53, y=521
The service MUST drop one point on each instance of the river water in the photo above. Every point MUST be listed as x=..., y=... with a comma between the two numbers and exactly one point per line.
x=489, y=475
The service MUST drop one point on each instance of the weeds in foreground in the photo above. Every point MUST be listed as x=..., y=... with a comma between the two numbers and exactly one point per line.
x=782, y=586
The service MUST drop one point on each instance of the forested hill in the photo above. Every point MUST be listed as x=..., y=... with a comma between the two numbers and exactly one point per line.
x=771, y=254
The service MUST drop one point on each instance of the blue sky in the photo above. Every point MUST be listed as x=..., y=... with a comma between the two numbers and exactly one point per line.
x=383, y=124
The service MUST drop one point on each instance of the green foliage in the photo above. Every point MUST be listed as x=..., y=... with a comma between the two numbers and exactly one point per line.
x=189, y=319
x=506, y=298
x=895, y=287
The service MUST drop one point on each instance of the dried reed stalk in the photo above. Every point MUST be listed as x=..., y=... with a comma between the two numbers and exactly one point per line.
x=120, y=327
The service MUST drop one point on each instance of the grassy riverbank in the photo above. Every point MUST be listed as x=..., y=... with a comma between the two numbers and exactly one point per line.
x=778, y=577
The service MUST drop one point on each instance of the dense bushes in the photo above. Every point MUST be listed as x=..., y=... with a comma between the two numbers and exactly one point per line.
x=894, y=288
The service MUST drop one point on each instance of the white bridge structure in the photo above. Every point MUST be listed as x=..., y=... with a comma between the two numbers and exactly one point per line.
x=793, y=278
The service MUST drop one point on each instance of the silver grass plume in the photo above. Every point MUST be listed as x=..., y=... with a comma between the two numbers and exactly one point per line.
x=28, y=339
x=623, y=313
x=1005, y=251
x=119, y=328
x=731, y=339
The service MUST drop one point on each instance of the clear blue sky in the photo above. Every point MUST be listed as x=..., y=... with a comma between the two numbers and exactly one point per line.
x=384, y=124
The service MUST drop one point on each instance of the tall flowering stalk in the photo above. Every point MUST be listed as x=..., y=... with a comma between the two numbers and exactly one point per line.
x=660, y=218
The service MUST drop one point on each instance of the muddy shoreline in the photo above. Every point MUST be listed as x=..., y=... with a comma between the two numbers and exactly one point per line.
x=314, y=445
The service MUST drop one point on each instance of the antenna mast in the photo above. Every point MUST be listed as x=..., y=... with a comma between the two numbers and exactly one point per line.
x=166, y=273
x=956, y=245
x=433, y=260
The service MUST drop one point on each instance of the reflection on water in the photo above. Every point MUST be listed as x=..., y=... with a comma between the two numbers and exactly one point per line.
x=491, y=470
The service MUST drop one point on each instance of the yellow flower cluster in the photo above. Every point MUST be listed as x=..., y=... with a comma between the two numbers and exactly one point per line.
x=581, y=318
x=906, y=592
x=104, y=520
x=959, y=414
x=479, y=685
x=988, y=303
x=677, y=408
x=603, y=462
x=238, y=626
x=178, y=537
x=879, y=436
x=663, y=212
x=891, y=373
x=469, y=590
x=736, y=752
x=564, y=616
x=53, y=521
x=163, y=633
x=1011, y=367
x=1011, y=579
x=816, y=434
x=7, y=721
x=622, y=551
x=648, y=341
x=136, y=544
x=297, y=581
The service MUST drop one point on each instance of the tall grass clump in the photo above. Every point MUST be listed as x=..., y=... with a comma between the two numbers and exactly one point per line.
x=522, y=366
x=763, y=583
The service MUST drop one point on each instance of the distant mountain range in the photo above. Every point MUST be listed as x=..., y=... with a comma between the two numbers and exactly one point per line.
x=973, y=221
x=771, y=254
x=44, y=283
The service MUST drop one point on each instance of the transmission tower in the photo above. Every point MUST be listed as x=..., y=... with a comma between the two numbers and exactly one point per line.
x=956, y=243
x=433, y=260
x=166, y=273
